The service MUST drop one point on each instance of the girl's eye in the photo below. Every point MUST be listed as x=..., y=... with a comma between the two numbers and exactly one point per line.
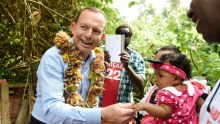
x=158, y=75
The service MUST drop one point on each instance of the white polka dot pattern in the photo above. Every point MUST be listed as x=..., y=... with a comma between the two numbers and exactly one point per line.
x=183, y=107
x=171, y=69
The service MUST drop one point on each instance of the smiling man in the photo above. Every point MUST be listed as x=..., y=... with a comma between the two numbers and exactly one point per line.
x=206, y=15
x=58, y=104
x=88, y=31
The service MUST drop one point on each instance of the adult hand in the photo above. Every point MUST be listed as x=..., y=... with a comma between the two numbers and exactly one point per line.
x=125, y=58
x=107, y=58
x=118, y=113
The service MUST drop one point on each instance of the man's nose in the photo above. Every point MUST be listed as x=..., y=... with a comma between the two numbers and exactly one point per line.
x=190, y=14
x=89, y=33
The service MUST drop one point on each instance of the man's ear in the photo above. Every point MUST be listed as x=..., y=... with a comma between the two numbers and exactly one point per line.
x=73, y=27
x=103, y=36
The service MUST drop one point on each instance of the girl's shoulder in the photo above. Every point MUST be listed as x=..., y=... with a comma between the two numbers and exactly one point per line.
x=170, y=90
x=168, y=96
x=194, y=88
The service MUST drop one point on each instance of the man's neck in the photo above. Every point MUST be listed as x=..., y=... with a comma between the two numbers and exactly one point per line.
x=85, y=56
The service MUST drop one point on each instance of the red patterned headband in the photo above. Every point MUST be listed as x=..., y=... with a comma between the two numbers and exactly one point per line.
x=171, y=69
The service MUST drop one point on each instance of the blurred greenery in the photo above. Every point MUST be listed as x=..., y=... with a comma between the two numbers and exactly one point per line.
x=28, y=27
x=172, y=27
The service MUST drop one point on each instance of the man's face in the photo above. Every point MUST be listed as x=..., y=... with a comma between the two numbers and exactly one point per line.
x=88, y=31
x=126, y=32
x=206, y=15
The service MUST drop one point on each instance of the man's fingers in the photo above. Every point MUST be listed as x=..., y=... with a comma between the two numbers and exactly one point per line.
x=126, y=105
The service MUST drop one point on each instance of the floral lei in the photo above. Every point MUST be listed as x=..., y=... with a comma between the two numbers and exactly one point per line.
x=73, y=56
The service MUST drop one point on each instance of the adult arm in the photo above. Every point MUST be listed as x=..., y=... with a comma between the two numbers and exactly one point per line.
x=199, y=104
x=136, y=71
x=51, y=89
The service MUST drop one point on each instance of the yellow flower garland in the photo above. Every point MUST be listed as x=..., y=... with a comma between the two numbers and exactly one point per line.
x=73, y=56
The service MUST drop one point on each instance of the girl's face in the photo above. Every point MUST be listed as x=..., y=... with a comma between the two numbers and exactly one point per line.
x=163, y=78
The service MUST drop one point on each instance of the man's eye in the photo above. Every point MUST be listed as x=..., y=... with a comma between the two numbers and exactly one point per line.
x=83, y=27
x=97, y=32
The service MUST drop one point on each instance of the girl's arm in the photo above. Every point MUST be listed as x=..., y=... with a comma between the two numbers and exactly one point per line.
x=199, y=104
x=158, y=111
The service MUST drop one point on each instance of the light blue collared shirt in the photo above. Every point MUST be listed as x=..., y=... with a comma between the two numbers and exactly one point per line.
x=50, y=106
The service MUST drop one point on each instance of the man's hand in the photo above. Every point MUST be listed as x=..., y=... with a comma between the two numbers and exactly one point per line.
x=107, y=58
x=125, y=58
x=118, y=114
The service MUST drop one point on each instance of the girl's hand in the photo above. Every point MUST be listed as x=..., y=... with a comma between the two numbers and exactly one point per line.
x=139, y=107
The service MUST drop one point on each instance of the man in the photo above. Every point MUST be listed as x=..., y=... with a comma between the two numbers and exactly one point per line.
x=206, y=15
x=50, y=106
x=132, y=73
x=134, y=67
x=206, y=18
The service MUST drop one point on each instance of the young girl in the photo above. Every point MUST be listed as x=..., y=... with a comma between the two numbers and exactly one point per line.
x=150, y=95
x=152, y=90
x=177, y=99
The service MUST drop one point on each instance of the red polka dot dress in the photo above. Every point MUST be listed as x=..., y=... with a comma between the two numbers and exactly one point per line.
x=183, y=103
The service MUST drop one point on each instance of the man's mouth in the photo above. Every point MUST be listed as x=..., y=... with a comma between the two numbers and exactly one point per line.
x=197, y=23
x=86, y=43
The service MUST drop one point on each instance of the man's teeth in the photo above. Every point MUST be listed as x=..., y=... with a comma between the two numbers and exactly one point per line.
x=197, y=21
x=85, y=42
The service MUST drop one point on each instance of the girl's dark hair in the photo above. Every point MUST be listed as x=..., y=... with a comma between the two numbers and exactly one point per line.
x=179, y=60
x=171, y=48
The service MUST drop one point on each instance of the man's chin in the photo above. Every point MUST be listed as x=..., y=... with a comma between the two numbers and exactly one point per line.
x=211, y=38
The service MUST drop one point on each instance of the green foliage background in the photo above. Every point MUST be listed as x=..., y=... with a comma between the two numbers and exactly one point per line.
x=172, y=27
x=27, y=29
